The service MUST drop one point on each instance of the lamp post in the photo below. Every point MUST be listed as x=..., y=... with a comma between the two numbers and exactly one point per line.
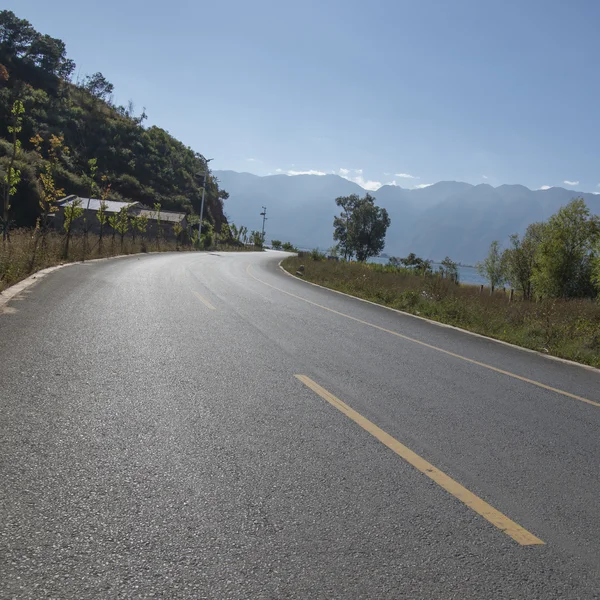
x=204, y=175
x=263, y=214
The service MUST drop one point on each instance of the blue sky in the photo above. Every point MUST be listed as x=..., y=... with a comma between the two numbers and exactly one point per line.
x=483, y=91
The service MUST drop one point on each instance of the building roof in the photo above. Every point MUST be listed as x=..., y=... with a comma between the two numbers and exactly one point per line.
x=112, y=206
x=165, y=215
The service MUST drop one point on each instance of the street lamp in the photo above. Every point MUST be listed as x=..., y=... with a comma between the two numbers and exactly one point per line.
x=263, y=214
x=204, y=175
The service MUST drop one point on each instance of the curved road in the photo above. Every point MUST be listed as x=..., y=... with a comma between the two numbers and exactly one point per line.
x=205, y=426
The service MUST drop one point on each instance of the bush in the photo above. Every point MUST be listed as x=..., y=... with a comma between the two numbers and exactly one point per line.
x=316, y=254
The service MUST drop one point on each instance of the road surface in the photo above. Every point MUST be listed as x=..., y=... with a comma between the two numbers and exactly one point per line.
x=204, y=426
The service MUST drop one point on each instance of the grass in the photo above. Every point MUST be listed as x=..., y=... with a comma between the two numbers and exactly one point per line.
x=25, y=253
x=567, y=329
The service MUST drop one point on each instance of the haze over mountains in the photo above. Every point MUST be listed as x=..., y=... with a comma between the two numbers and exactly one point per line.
x=448, y=218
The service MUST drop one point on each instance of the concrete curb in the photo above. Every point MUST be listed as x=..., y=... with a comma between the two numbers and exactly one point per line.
x=439, y=324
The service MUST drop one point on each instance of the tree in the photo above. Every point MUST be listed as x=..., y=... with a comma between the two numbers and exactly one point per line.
x=276, y=244
x=341, y=223
x=113, y=221
x=72, y=211
x=139, y=223
x=177, y=230
x=361, y=227
x=16, y=35
x=91, y=181
x=596, y=270
x=368, y=226
x=413, y=263
x=12, y=177
x=449, y=270
x=258, y=238
x=564, y=258
x=98, y=86
x=50, y=55
x=50, y=193
x=520, y=259
x=157, y=208
x=122, y=223
x=101, y=213
x=493, y=267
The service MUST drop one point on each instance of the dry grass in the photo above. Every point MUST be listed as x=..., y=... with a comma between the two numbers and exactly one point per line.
x=568, y=329
x=27, y=253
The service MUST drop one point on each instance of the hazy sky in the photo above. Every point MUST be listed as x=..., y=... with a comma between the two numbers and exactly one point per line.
x=502, y=91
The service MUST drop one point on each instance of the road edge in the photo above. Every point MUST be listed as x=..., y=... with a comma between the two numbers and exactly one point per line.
x=446, y=325
x=14, y=290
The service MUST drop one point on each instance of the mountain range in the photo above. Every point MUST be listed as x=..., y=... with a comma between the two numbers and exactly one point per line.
x=448, y=218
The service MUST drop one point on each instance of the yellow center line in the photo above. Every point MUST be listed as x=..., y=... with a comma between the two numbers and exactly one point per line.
x=430, y=346
x=481, y=507
x=204, y=301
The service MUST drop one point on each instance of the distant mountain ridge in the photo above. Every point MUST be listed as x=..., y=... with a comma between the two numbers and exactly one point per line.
x=448, y=218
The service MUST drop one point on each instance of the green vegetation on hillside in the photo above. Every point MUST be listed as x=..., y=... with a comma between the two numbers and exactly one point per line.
x=141, y=163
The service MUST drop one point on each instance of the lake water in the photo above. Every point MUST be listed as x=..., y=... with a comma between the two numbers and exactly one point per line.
x=466, y=274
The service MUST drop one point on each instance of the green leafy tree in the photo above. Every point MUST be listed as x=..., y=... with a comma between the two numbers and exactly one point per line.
x=288, y=247
x=276, y=244
x=98, y=86
x=50, y=55
x=139, y=224
x=342, y=225
x=177, y=230
x=12, y=176
x=449, y=270
x=225, y=234
x=413, y=263
x=122, y=223
x=157, y=207
x=113, y=221
x=564, y=258
x=520, y=259
x=493, y=267
x=360, y=228
x=596, y=270
x=16, y=35
x=50, y=192
x=258, y=238
x=368, y=225
x=92, y=187
x=101, y=212
x=208, y=232
x=72, y=211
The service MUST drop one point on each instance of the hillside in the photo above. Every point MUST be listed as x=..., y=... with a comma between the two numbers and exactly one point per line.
x=140, y=163
x=447, y=218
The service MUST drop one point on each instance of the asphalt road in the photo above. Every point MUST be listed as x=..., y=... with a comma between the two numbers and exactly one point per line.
x=156, y=442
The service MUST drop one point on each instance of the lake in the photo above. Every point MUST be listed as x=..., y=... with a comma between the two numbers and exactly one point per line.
x=466, y=274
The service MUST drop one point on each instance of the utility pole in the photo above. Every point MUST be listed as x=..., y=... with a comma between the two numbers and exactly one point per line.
x=263, y=214
x=203, y=175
